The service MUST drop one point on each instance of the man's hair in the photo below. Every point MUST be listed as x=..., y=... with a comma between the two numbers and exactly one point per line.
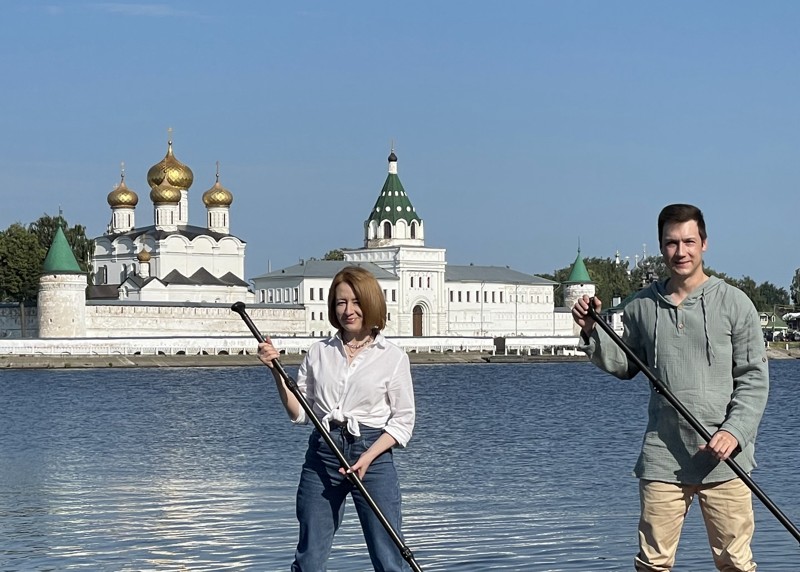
x=370, y=297
x=681, y=213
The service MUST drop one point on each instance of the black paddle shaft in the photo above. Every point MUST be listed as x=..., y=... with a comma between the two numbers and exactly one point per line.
x=662, y=389
x=291, y=384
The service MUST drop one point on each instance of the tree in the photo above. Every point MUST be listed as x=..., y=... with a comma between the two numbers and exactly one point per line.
x=612, y=279
x=21, y=258
x=335, y=254
x=794, y=289
x=45, y=229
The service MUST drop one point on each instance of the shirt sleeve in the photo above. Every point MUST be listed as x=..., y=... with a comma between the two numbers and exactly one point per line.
x=606, y=354
x=401, y=402
x=750, y=376
x=304, y=379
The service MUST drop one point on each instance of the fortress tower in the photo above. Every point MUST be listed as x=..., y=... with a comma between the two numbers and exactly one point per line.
x=62, y=292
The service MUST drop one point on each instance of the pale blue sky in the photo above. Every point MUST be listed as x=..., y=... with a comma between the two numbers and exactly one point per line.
x=520, y=126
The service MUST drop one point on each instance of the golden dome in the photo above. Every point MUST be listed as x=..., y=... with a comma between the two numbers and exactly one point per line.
x=217, y=196
x=143, y=256
x=165, y=194
x=122, y=196
x=169, y=169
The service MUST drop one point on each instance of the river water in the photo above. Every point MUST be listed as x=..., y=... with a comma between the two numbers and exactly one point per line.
x=521, y=467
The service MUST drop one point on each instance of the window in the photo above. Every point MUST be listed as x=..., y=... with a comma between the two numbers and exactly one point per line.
x=262, y=295
x=429, y=281
x=384, y=294
x=312, y=316
x=321, y=295
x=413, y=230
x=286, y=295
x=270, y=295
x=485, y=296
x=310, y=293
x=394, y=295
x=492, y=297
x=459, y=295
x=388, y=316
x=387, y=230
x=501, y=297
x=296, y=295
x=467, y=295
x=451, y=296
x=419, y=282
x=412, y=281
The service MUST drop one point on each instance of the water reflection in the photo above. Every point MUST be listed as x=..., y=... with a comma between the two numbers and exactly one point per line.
x=512, y=467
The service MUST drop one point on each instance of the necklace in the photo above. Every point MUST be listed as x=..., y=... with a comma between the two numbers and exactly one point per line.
x=354, y=347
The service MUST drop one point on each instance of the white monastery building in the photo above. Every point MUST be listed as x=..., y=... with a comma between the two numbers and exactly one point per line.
x=167, y=283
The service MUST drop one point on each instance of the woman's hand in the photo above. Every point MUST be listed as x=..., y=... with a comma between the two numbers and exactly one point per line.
x=267, y=352
x=359, y=467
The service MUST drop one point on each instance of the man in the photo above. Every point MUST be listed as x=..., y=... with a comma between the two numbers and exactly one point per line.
x=703, y=339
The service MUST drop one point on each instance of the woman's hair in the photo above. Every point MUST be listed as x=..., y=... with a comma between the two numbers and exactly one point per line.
x=370, y=297
x=680, y=213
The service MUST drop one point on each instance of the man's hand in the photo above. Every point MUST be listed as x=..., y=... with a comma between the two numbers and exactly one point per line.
x=722, y=445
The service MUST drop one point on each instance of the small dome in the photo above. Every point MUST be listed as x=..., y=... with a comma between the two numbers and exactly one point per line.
x=175, y=173
x=143, y=256
x=122, y=196
x=217, y=196
x=392, y=157
x=165, y=194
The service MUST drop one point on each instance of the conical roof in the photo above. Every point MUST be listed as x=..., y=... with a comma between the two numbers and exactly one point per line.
x=579, y=274
x=60, y=258
x=393, y=204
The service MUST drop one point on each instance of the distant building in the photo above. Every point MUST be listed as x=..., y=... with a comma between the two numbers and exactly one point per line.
x=425, y=296
x=171, y=280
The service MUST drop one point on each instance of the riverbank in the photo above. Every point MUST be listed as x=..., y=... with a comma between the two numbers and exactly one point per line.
x=120, y=361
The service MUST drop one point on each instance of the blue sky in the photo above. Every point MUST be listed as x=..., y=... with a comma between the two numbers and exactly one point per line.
x=521, y=127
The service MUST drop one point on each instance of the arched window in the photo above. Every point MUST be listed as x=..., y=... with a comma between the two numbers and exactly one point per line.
x=387, y=230
x=413, y=230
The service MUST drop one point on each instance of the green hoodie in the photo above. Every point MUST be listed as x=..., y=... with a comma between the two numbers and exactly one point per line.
x=709, y=351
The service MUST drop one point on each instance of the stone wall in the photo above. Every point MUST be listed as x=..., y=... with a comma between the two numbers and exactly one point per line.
x=12, y=327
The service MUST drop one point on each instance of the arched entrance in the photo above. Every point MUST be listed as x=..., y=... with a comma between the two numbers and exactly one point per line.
x=418, y=313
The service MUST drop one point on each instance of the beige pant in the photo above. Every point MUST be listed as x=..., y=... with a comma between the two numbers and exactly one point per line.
x=727, y=511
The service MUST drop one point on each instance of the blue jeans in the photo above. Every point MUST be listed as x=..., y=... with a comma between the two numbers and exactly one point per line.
x=321, y=497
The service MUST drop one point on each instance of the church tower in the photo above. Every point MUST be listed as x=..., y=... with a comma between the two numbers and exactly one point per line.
x=394, y=240
x=393, y=220
x=218, y=202
x=62, y=292
x=122, y=201
x=578, y=283
x=169, y=182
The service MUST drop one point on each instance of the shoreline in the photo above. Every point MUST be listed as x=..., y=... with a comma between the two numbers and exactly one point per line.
x=250, y=360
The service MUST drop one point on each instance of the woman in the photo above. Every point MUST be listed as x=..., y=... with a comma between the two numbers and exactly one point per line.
x=359, y=385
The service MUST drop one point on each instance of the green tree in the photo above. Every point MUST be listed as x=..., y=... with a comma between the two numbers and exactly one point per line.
x=21, y=258
x=45, y=229
x=612, y=279
x=795, y=287
x=335, y=254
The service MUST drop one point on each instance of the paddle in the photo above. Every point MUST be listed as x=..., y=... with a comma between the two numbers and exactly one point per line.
x=662, y=389
x=291, y=384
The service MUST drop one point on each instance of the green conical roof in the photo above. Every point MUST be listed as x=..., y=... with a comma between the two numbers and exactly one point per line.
x=579, y=274
x=60, y=259
x=393, y=203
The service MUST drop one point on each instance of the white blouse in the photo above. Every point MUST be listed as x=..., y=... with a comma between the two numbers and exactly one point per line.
x=375, y=389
